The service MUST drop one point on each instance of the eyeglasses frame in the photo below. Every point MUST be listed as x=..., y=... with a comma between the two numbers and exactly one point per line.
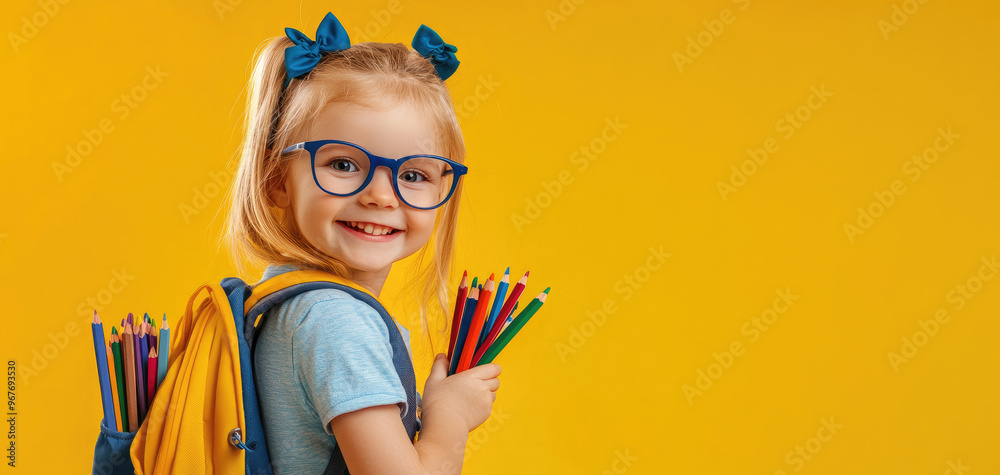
x=393, y=164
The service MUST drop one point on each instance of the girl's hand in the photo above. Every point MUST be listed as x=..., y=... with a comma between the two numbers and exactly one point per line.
x=469, y=395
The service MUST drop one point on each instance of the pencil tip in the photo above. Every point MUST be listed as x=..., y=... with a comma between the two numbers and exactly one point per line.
x=546, y=290
x=507, y=271
x=114, y=330
x=97, y=319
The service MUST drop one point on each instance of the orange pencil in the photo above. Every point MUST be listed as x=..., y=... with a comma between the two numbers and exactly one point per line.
x=130, y=392
x=114, y=387
x=476, y=326
x=456, y=321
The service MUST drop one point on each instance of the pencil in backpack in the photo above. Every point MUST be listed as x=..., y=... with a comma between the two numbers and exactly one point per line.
x=162, y=351
x=151, y=377
x=116, y=350
x=140, y=373
x=113, y=378
x=103, y=377
x=129, y=360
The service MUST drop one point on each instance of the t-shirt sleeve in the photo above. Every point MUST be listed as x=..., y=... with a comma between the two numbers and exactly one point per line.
x=343, y=358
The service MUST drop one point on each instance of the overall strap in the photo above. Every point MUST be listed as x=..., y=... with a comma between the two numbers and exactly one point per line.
x=272, y=292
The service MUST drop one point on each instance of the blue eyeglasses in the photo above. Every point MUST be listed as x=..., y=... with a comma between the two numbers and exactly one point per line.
x=342, y=168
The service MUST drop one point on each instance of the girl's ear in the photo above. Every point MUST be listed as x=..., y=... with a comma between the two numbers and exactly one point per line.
x=278, y=190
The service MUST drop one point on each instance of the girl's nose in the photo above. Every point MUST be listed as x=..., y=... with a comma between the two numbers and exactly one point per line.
x=379, y=191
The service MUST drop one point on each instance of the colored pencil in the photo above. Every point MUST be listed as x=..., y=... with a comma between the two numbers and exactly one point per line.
x=116, y=349
x=518, y=323
x=456, y=320
x=476, y=326
x=162, y=351
x=495, y=309
x=507, y=309
x=140, y=372
x=144, y=343
x=103, y=377
x=129, y=357
x=463, y=331
x=113, y=378
x=489, y=341
x=151, y=378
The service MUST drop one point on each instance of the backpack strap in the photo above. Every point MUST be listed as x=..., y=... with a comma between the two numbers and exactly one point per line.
x=254, y=303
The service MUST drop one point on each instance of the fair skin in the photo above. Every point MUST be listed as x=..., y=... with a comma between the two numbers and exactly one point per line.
x=373, y=440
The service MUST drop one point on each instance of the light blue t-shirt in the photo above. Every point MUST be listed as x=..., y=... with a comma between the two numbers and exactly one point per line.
x=321, y=353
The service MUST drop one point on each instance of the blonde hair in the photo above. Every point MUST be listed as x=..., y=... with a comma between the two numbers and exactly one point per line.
x=365, y=74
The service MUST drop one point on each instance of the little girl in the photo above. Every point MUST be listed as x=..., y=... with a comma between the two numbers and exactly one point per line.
x=322, y=184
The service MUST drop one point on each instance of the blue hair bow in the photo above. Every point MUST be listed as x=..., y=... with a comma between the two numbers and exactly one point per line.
x=305, y=55
x=442, y=55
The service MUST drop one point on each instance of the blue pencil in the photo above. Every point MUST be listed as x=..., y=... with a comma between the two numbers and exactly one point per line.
x=470, y=308
x=495, y=309
x=162, y=351
x=103, y=376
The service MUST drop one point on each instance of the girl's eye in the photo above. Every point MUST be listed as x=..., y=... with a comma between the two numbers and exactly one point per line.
x=342, y=165
x=412, y=176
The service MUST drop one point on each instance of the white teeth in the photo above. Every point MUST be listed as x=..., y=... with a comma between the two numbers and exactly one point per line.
x=369, y=228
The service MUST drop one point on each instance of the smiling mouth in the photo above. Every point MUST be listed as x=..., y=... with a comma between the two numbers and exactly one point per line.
x=369, y=228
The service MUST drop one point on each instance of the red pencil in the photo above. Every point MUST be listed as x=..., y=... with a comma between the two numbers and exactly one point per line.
x=151, y=377
x=508, y=307
x=463, y=291
x=476, y=326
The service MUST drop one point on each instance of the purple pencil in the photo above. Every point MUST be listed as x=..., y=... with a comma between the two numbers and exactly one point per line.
x=140, y=380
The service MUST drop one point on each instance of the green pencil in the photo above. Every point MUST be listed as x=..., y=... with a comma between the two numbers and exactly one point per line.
x=116, y=350
x=516, y=325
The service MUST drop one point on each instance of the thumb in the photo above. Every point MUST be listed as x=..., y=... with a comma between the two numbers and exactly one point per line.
x=439, y=370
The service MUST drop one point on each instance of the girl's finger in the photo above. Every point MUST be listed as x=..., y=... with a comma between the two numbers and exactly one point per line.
x=486, y=371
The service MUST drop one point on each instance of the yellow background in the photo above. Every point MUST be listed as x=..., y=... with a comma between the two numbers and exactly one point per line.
x=575, y=397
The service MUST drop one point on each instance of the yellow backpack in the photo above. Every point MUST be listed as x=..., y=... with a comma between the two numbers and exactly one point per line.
x=204, y=417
